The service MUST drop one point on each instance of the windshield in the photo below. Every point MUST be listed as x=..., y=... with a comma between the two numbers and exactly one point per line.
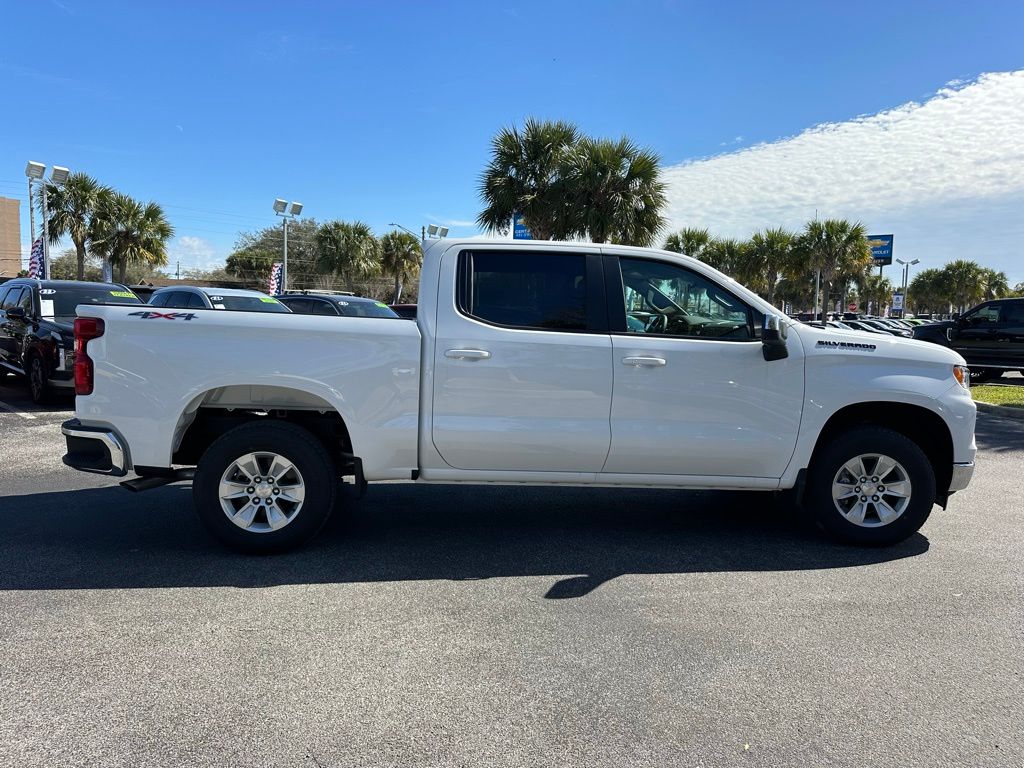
x=248, y=303
x=364, y=309
x=61, y=302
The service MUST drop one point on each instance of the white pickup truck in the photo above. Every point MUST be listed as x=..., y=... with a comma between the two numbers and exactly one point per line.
x=529, y=362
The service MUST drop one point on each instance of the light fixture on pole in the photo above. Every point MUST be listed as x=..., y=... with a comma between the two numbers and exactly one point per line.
x=436, y=231
x=58, y=175
x=286, y=211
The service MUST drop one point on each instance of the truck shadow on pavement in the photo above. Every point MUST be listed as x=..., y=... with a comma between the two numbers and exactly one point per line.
x=109, y=538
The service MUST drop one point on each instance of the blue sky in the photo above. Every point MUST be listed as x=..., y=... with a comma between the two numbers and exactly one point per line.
x=383, y=112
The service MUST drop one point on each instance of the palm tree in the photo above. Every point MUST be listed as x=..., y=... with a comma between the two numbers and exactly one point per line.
x=771, y=254
x=874, y=289
x=401, y=256
x=348, y=249
x=995, y=284
x=835, y=248
x=614, y=192
x=127, y=232
x=928, y=291
x=724, y=254
x=524, y=176
x=963, y=283
x=71, y=210
x=688, y=240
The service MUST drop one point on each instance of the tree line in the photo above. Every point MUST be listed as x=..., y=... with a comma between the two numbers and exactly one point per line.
x=106, y=224
x=327, y=255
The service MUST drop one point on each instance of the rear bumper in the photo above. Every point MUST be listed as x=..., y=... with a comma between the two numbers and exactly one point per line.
x=961, y=478
x=94, y=449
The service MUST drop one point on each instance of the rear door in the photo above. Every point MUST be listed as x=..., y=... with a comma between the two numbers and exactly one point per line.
x=976, y=335
x=522, y=361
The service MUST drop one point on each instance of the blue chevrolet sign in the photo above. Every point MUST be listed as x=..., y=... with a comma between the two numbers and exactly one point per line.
x=519, y=230
x=881, y=249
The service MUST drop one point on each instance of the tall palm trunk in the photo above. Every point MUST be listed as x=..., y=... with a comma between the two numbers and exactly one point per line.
x=80, y=253
x=398, y=288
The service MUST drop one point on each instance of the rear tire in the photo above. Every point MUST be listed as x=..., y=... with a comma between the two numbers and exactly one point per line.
x=38, y=386
x=265, y=487
x=887, y=499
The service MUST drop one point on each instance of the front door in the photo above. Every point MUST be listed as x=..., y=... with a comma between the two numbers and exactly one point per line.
x=522, y=361
x=693, y=393
x=976, y=335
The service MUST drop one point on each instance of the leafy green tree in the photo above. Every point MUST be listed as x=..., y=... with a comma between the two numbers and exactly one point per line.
x=927, y=292
x=401, y=256
x=65, y=267
x=525, y=176
x=255, y=252
x=836, y=248
x=769, y=254
x=349, y=250
x=876, y=290
x=690, y=241
x=128, y=233
x=72, y=209
x=614, y=192
x=1018, y=290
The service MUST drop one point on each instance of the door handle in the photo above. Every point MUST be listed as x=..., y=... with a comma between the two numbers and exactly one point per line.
x=644, y=362
x=468, y=354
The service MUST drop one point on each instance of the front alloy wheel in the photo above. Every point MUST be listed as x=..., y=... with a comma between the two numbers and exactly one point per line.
x=871, y=490
x=37, y=384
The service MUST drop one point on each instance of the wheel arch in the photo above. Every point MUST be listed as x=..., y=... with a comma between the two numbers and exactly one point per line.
x=923, y=426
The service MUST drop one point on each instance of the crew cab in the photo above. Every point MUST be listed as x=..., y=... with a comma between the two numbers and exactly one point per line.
x=36, y=337
x=989, y=336
x=529, y=362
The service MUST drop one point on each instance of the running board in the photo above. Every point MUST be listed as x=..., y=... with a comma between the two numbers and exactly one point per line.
x=139, y=484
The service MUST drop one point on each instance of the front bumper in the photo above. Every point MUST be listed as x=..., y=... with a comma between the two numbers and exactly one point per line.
x=94, y=449
x=961, y=478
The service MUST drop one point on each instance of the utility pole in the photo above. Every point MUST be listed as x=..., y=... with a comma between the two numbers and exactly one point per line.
x=177, y=271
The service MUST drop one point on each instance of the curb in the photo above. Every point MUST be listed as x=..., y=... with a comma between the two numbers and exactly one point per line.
x=1001, y=410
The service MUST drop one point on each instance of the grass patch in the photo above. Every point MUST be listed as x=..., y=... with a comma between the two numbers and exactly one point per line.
x=1009, y=396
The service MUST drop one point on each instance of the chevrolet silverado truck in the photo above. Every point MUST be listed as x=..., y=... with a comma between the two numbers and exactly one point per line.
x=529, y=363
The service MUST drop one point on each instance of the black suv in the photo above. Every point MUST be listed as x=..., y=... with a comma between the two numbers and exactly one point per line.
x=990, y=337
x=312, y=303
x=37, y=336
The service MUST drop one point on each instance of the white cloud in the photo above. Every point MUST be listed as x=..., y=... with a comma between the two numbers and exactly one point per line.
x=945, y=176
x=193, y=253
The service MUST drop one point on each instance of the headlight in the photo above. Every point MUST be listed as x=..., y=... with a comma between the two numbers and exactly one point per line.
x=962, y=376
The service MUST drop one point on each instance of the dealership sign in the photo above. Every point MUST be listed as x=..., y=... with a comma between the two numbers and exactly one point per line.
x=881, y=249
x=519, y=230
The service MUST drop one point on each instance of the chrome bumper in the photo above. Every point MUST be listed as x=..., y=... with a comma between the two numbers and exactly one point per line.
x=962, y=474
x=92, y=449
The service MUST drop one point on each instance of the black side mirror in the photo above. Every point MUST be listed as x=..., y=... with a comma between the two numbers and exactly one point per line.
x=773, y=338
x=16, y=313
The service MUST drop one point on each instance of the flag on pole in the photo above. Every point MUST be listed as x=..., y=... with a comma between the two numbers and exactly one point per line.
x=274, y=286
x=36, y=263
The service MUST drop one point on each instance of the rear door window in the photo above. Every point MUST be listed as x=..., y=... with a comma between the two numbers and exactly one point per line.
x=324, y=308
x=195, y=301
x=300, y=306
x=542, y=291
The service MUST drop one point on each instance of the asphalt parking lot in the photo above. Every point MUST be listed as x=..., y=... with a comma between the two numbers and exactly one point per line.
x=438, y=625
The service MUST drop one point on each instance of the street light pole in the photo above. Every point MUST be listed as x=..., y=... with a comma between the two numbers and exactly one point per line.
x=286, y=211
x=906, y=276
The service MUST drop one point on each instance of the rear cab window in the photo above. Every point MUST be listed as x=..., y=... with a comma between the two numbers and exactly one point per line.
x=548, y=291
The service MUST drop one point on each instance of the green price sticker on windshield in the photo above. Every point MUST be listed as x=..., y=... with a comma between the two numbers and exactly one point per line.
x=123, y=294
x=268, y=300
x=381, y=304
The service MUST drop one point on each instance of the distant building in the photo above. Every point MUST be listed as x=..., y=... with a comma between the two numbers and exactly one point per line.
x=10, y=237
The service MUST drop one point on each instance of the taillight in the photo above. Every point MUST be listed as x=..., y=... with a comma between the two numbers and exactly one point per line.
x=86, y=328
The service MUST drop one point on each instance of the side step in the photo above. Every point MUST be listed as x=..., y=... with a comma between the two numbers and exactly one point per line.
x=138, y=484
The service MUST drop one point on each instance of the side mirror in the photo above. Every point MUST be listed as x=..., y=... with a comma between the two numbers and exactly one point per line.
x=773, y=338
x=16, y=313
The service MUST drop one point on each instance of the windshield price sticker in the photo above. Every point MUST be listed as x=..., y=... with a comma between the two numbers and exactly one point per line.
x=268, y=300
x=381, y=304
x=123, y=294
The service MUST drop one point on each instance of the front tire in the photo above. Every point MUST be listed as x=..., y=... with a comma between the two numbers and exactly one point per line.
x=871, y=486
x=265, y=487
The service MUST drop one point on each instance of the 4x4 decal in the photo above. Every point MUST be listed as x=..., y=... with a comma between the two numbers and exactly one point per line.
x=150, y=315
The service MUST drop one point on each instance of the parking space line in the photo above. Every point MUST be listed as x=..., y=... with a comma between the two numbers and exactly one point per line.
x=11, y=409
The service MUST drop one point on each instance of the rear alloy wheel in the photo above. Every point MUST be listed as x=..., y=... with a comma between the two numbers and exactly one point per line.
x=871, y=486
x=265, y=487
x=37, y=383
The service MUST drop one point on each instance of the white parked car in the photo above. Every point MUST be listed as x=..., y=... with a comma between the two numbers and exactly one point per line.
x=529, y=362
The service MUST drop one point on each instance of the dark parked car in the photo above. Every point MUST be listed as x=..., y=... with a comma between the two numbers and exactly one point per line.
x=990, y=337
x=202, y=297
x=405, y=311
x=37, y=336
x=307, y=303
